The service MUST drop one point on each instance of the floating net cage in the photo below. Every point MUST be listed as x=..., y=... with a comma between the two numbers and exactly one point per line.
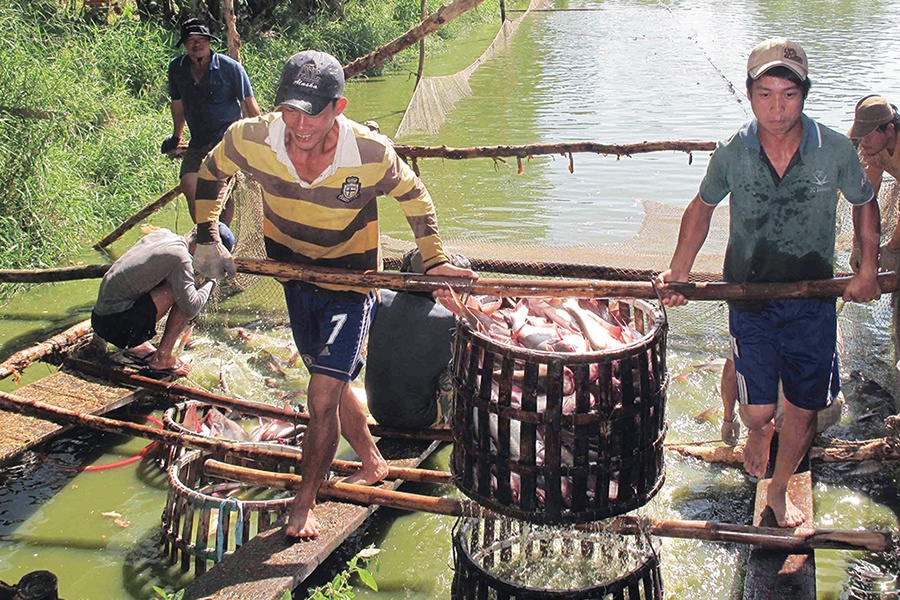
x=174, y=417
x=502, y=559
x=549, y=457
x=207, y=518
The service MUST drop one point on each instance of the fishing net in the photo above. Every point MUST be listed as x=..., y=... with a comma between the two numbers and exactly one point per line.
x=434, y=97
x=700, y=327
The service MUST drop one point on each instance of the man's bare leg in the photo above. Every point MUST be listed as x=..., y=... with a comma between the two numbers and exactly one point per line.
x=189, y=189
x=796, y=435
x=164, y=357
x=760, y=427
x=355, y=428
x=319, y=447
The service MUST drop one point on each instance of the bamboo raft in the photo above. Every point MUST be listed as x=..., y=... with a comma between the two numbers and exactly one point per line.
x=65, y=389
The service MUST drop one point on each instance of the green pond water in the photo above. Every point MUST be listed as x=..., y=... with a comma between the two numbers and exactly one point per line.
x=626, y=71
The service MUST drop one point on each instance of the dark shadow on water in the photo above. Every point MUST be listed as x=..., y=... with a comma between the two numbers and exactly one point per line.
x=146, y=565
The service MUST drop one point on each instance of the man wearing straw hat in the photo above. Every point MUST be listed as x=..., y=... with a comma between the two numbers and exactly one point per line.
x=209, y=92
x=321, y=174
x=783, y=172
x=875, y=126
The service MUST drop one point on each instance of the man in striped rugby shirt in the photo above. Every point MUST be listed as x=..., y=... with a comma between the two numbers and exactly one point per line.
x=321, y=174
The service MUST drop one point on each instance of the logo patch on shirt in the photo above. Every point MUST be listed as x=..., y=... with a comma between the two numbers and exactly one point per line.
x=350, y=190
x=820, y=178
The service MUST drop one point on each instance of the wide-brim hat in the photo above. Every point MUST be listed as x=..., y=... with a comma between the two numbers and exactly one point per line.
x=777, y=52
x=310, y=81
x=195, y=27
x=872, y=111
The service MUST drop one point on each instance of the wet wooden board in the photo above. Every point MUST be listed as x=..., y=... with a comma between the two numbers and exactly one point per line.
x=67, y=389
x=267, y=565
x=772, y=574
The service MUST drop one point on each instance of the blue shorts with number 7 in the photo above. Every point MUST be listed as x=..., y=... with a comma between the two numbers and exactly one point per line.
x=794, y=341
x=329, y=328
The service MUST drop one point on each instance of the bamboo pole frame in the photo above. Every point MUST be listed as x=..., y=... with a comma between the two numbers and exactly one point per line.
x=58, y=344
x=176, y=392
x=564, y=148
x=65, y=416
x=799, y=539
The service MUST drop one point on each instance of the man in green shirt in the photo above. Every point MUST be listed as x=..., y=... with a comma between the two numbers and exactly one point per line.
x=783, y=172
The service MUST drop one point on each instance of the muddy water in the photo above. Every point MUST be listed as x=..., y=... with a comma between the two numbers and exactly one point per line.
x=625, y=72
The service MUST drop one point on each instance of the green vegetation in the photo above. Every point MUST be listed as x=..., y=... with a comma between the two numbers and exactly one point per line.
x=84, y=107
x=339, y=587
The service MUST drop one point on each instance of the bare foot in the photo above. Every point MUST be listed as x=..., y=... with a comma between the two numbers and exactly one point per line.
x=369, y=475
x=786, y=514
x=142, y=351
x=301, y=523
x=159, y=363
x=756, y=450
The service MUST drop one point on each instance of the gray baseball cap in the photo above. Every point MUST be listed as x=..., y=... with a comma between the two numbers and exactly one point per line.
x=309, y=81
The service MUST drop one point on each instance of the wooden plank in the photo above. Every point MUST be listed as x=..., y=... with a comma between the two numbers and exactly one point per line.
x=772, y=574
x=268, y=564
x=71, y=390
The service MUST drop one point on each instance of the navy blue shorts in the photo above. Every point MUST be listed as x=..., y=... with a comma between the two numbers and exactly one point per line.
x=128, y=328
x=190, y=163
x=794, y=341
x=329, y=328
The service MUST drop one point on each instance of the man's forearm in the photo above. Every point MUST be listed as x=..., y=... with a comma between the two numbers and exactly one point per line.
x=867, y=232
x=178, y=120
x=691, y=235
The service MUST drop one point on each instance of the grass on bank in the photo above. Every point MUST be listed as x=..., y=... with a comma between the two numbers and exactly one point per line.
x=69, y=178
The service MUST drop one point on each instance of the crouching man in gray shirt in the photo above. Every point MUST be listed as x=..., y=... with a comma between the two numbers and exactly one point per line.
x=153, y=278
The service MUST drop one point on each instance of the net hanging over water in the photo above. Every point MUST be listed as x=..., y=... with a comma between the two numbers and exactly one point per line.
x=435, y=97
x=865, y=329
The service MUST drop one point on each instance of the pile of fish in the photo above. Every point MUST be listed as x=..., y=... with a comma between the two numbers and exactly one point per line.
x=215, y=424
x=548, y=325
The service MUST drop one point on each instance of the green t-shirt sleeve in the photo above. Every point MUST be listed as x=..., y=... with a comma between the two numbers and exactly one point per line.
x=715, y=185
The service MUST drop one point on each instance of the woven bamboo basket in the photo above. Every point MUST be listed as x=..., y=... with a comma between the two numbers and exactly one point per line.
x=501, y=558
x=173, y=420
x=553, y=458
x=206, y=519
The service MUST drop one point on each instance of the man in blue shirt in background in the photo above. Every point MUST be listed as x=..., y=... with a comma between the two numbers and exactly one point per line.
x=209, y=92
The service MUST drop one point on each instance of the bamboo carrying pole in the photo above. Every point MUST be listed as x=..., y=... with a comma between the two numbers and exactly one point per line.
x=64, y=416
x=767, y=537
x=412, y=282
x=434, y=22
x=513, y=287
x=59, y=344
x=177, y=392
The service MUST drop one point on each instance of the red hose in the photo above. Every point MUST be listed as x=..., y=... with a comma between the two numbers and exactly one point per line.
x=127, y=461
